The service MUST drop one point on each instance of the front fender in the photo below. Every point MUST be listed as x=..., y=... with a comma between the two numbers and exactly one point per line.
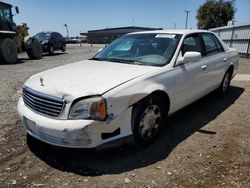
x=120, y=99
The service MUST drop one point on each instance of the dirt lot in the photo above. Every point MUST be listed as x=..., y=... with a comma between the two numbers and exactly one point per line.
x=206, y=144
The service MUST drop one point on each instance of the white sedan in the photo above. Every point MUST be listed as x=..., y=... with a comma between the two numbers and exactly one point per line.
x=127, y=90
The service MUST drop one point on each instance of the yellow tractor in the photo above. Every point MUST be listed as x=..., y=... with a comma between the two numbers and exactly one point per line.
x=14, y=39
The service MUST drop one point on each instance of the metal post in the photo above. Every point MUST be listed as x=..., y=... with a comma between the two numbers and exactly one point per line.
x=248, y=46
x=232, y=37
x=66, y=26
x=187, y=12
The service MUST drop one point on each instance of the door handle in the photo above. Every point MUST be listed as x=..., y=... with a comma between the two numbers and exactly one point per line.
x=225, y=59
x=203, y=67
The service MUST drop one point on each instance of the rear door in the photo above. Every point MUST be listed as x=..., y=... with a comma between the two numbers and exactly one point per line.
x=56, y=41
x=215, y=60
x=60, y=40
x=53, y=40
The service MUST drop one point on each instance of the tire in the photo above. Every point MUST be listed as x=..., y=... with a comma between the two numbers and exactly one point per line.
x=225, y=84
x=148, y=118
x=35, y=51
x=63, y=48
x=51, y=50
x=8, y=50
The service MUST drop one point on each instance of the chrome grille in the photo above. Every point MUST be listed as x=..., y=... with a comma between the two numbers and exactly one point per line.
x=42, y=103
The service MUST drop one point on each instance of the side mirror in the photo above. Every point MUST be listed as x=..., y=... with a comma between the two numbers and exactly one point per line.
x=189, y=57
x=17, y=10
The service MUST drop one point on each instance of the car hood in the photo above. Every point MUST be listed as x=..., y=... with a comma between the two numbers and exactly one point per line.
x=85, y=78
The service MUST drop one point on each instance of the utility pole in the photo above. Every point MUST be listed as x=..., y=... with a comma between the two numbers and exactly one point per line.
x=187, y=12
x=66, y=26
x=174, y=25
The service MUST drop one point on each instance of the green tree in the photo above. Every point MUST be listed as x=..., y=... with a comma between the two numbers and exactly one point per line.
x=215, y=13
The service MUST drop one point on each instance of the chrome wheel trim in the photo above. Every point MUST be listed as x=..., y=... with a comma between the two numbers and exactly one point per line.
x=149, y=121
x=226, y=82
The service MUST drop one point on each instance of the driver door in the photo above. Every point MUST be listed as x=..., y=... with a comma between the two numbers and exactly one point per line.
x=191, y=77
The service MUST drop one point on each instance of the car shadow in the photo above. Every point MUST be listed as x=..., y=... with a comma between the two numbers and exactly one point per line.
x=19, y=61
x=22, y=60
x=122, y=159
x=54, y=54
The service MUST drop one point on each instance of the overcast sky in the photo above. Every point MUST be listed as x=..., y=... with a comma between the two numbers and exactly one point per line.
x=84, y=15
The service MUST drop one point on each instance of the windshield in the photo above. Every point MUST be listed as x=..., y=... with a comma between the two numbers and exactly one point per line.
x=145, y=49
x=42, y=36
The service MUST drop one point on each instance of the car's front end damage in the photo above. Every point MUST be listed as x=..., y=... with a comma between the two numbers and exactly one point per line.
x=75, y=133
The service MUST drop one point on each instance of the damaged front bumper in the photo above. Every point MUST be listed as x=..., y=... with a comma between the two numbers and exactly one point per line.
x=75, y=133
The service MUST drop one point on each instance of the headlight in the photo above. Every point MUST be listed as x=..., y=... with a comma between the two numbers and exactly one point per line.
x=91, y=108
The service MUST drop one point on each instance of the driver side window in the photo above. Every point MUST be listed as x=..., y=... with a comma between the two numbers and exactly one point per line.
x=191, y=44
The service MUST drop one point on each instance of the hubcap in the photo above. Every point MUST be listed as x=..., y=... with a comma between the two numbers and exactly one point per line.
x=226, y=82
x=149, y=121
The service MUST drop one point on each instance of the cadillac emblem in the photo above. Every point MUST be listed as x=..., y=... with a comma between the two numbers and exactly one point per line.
x=41, y=81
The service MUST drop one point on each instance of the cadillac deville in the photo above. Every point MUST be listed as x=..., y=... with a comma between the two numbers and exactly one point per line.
x=127, y=90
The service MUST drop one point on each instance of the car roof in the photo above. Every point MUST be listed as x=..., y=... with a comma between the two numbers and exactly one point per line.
x=177, y=31
x=48, y=32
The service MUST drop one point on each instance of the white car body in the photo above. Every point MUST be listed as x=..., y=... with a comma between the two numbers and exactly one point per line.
x=122, y=85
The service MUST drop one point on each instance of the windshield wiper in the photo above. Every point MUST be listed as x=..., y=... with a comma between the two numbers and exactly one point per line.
x=119, y=60
x=136, y=62
x=96, y=59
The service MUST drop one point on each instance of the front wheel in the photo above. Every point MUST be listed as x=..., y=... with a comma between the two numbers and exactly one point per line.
x=8, y=50
x=51, y=50
x=147, y=120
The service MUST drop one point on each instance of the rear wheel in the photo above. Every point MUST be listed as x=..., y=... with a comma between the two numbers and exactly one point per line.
x=225, y=84
x=147, y=119
x=35, y=49
x=8, y=50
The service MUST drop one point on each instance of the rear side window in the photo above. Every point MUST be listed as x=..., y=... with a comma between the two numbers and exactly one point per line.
x=212, y=45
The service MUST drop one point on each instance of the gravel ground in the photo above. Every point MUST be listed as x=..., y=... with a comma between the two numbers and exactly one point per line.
x=205, y=145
